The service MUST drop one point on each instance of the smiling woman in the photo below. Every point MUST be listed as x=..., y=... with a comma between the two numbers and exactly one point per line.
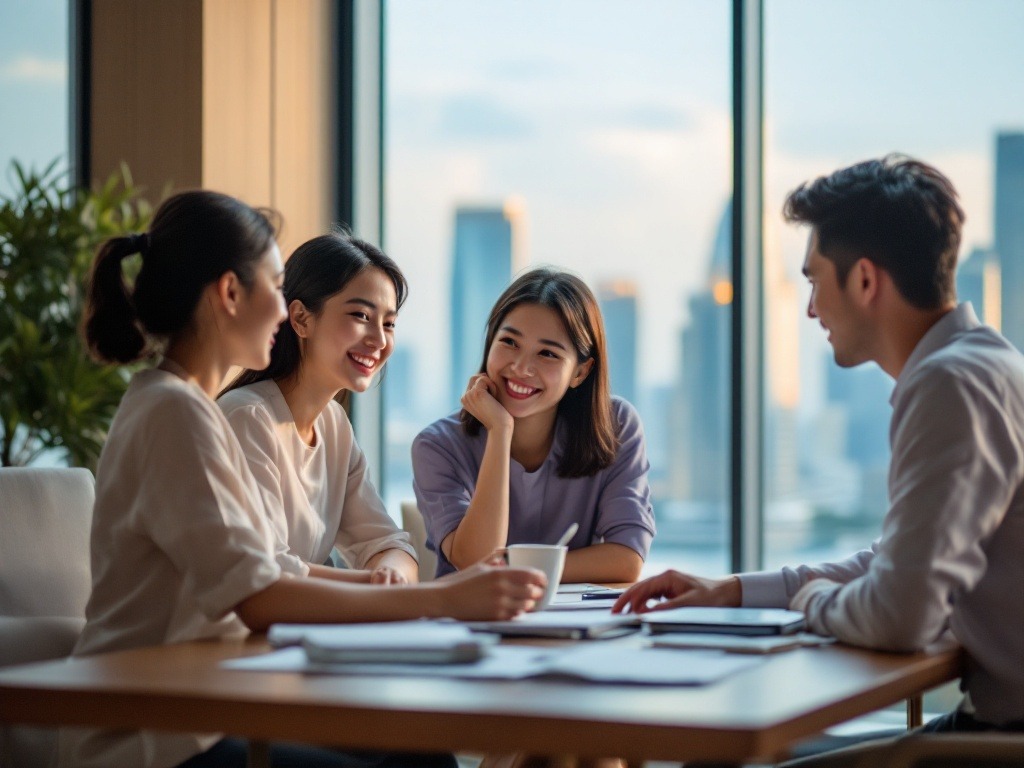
x=539, y=444
x=343, y=299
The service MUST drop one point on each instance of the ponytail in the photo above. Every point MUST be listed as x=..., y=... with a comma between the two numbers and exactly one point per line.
x=111, y=326
x=194, y=238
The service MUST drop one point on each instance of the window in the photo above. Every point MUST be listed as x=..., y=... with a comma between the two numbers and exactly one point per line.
x=845, y=81
x=34, y=126
x=594, y=136
x=597, y=136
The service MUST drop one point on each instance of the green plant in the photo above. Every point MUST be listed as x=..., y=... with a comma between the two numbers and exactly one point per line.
x=52, y=395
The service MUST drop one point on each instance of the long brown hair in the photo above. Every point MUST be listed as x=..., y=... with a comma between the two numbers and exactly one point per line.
x=586, y=410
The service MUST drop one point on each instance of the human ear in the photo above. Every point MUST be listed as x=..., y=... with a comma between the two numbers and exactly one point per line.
x=865, y=273
x=229, y=292
x=299, y=317
x=582, y=371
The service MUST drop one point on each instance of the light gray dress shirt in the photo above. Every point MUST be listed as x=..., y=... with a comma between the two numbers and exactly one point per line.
x=951, y=553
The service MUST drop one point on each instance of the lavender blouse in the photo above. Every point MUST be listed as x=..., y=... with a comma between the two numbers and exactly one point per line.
x=612, y=505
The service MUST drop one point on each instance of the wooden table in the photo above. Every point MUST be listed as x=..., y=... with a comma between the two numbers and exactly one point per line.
x=758, y=712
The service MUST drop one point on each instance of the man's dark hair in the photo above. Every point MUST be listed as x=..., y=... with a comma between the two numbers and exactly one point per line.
x=901, y=214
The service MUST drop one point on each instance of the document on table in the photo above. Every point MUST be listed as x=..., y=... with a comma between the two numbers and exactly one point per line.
x=579, y=605
x=740, y=643
x=597, y=664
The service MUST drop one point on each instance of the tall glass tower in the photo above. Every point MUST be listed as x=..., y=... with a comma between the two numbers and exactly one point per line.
x=701, y=449
x=618, y=301
x=481, y=269
x=1009, y=234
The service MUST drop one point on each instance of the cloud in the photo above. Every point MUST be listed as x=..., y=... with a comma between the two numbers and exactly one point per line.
x=658, y=117
x=476, y=117
x=33, y=69
x=659, y=149
x=525, y=70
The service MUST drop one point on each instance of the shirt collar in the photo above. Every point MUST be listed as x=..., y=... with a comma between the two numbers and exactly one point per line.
x=939, y=335
x=554, y=455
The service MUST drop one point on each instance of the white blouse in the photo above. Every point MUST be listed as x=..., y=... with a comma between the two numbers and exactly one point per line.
x=318, y=496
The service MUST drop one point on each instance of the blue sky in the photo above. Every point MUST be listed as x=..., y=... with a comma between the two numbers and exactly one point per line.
x=611, y=121
x=33, y=83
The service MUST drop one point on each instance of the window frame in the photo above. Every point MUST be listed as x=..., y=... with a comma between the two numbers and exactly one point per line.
x=360, y=195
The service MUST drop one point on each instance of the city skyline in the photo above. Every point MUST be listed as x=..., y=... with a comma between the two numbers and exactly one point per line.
x=842, y=480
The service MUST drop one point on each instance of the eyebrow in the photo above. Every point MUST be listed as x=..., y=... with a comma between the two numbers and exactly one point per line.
x=547, y=342
x=370, y=305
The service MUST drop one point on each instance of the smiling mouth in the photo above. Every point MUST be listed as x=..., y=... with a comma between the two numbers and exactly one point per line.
x=519, y=391
x=366, y=363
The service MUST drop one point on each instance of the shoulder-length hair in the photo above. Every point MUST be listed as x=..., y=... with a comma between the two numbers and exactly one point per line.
x=585, y=412
x=317, y=270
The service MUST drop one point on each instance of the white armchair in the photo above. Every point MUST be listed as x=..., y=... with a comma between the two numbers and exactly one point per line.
x=45, y=521
x=412, y=523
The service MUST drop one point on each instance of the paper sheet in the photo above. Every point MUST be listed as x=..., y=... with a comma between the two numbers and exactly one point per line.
x=587, y=663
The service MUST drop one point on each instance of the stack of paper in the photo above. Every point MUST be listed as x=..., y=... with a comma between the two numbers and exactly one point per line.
x=403, y=642
x=584, y=624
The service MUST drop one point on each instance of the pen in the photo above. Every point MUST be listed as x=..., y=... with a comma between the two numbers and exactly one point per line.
x=604, y=594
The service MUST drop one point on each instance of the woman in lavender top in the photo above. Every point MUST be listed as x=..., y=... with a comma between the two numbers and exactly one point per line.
x=539, y=443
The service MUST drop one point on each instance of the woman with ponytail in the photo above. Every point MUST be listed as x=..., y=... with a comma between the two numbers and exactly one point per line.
x=343, y=296
x=181, y=545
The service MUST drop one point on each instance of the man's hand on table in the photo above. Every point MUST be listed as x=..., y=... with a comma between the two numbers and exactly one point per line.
x=675, y=590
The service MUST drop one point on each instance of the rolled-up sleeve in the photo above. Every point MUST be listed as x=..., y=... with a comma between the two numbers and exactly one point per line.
x=625, y=515
x=775, y=589
x=225, y=552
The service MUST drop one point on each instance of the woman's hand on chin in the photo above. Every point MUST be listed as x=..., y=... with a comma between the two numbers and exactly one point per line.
x=480, y=399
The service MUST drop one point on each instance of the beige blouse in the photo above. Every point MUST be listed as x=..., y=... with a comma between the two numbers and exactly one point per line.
x=179, y=538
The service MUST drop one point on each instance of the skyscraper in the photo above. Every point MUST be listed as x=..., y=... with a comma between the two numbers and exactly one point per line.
x=782, y=371
x=978, y=281
x=1009, y=232
x=482, y=265
x=618, y=299
x=701, y=445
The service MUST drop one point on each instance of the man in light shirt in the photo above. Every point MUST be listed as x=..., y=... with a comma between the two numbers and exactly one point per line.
x=881, y=261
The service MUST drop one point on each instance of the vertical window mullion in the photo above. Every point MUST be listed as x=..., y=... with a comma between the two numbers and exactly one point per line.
x=361, y=71
x=747, y=349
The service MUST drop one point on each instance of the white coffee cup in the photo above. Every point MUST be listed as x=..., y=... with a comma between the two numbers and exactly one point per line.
x=548, y=558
